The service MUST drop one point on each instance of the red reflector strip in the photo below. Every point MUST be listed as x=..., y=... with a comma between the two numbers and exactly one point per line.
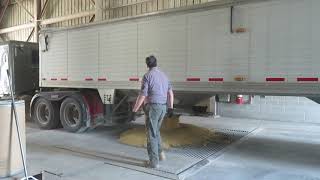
x=64, y=79
x=102, y=79
x=193, y=79
x=133, y=79
x=303, y=79
x=275, y=79
x=54, y=79
x=88, y=79
x=215, y=79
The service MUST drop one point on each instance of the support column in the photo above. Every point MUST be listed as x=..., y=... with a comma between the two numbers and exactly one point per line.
x=37, y=12
x=214, y=107
x=99, y=10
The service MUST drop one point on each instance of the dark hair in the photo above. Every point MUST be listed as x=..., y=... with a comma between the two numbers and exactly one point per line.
x=151, y=61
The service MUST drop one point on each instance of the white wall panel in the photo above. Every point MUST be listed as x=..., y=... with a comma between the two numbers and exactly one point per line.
x=166, y=38
x=83, y=54
x=200, y=45
x=239, y=59
x=300, y=46
x=118, y=52
x=279, y=40
x=208, y=44
x=259, y=43
x=54, y=61
x=315, y=37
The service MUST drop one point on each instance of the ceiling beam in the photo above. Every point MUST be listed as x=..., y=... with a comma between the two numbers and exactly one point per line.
x=65, y=18
x=47, y=21
x=16, y=28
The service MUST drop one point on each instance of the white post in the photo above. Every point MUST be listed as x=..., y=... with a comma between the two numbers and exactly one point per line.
x=36, y=10
x=214, y=107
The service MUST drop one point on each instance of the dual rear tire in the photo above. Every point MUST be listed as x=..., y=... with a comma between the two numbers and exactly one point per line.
x=46, y=114
x=72, y=114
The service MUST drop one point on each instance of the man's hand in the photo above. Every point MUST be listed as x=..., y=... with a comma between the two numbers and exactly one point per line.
x=170, y=112
x=138, y=103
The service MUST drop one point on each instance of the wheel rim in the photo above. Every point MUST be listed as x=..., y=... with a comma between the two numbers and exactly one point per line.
x=43, y=113
x=72, y=115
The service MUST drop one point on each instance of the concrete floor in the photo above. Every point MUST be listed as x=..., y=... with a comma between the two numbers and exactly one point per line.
x=275, y=151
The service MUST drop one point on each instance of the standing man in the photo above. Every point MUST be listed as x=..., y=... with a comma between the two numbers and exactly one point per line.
x=157, y=95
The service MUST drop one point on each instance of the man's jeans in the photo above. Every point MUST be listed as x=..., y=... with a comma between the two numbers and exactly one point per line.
x=154, y=114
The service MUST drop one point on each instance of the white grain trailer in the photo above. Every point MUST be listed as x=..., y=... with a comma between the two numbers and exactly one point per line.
x=89, y=74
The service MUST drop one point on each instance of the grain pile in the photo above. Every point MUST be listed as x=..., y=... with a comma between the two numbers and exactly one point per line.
x=174, y=134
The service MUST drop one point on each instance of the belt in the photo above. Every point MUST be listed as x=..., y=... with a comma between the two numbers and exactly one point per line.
x=157, y=103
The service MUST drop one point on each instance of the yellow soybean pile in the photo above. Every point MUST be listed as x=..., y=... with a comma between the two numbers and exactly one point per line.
x=174, y=134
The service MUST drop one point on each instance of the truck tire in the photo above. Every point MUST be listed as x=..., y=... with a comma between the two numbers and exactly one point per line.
x=46, y=114
x=72, y=115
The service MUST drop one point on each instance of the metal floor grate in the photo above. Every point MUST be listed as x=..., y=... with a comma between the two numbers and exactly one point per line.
x=179, y=160
x=200, y=153
x=203, y=152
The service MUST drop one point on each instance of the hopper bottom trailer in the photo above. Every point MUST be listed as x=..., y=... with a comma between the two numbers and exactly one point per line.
x=91, y=75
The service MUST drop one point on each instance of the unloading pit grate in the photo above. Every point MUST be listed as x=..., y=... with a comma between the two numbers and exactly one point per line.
x=200, y=153
x=105, y=145
x=203, y=152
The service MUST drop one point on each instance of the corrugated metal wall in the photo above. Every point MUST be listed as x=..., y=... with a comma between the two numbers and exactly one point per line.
x=110, y=9
x=16, y=15
x=59, y=8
